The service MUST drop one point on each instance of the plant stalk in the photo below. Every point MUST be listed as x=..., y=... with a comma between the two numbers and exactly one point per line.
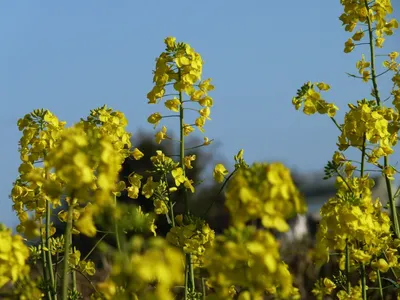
x=189, y=284
x=68, y=241
x=392, y=204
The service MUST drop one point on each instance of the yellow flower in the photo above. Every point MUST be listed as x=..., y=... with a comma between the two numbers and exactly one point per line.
x=188, y=185
x=349, y=46
x=170, y=42
x=206, y=86
x=85, y=224
x=379, y=42
x=161, y=135
x=137, y=154
x=188, y=161
x=135, y=181
x=154, y=119
x=187, y=129
x=13, y=255
x=199, y=122
x=149, y=187
x=178, y=176
x=173, y=104
x=219, y=173
x=206, y=141
x=389, y=172
x=380, y=265
x=358, y=35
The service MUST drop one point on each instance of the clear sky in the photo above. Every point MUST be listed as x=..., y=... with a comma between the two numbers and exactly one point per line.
x=73, y=56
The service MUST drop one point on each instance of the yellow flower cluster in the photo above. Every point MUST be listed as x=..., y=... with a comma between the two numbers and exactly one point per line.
x=351, y=217
x=355, y=293
x=367, y=13
x=147, y=270
x=112, y=124
x=266, y=192
x=322, y=287
x=312, y=100
x=86, y=267
x=13, y=254
x=36, y=185
x=85, y=162
x=194, y=238
x=181, y=66
x=375, y=124
x=248, y=258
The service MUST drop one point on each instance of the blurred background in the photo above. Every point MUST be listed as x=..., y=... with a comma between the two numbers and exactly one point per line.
x=70, y=57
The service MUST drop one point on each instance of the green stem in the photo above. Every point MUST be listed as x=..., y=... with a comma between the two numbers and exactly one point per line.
x=94, y=247
x=56, y=271
x=372, y=53
x=171, y=207
x=67, y=246
x=44, y=259
x=48, y=252
x=186, y=282
x=73, y=277
x=116, y=229
x=363, y=282
x=363, y=275
x=219, y=192
x=380, y=284
x=336, y=123
x=392, y=204
x=347, y=266
x=185, y=198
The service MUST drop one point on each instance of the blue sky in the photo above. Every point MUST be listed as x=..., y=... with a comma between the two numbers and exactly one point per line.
x=70, y=57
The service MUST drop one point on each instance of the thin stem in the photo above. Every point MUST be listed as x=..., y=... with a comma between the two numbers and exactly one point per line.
x=372, y=53
x=347, y=266
x=380, y=284
x=49, y=258
x=73, y=278
x=363, y=282
x=195, y=147
x=116, y=229
x=190, y=271
x=171, y=207
x=392, y=204
x=94, y=247
x=219, y=192
x=44, y=259
x=67, y=234
x=336, y=123
x=56, y=271
x=88, y=279
x=392, y=201
x=363, y=275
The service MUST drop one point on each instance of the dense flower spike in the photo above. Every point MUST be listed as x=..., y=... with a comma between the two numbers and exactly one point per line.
x=248, y=258
x=36, y=185
x=266, y=192
x=87, y=161
x=360, y=12
x=145, y=263
x=353, y=218
x=182, y=67
x=13, y=256
x=194, y=238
